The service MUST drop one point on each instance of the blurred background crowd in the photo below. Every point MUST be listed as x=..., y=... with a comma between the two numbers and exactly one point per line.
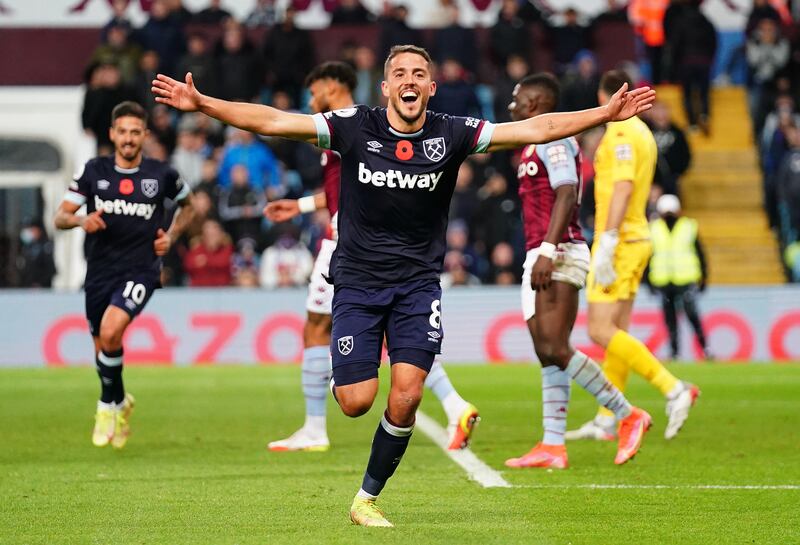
x=265, y=58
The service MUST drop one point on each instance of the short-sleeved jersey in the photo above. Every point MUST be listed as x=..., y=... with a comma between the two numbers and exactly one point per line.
x=542, y=169
x=331, y=174
x=132, y=201
x=627, y=151
x=395, y=191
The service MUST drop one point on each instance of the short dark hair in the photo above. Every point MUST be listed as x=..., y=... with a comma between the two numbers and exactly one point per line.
x=129, y=109
x=546, y=82
x=613, y=80
x=337, y=71
x=408, y=48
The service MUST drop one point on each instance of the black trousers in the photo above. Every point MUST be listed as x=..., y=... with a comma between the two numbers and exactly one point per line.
x=674, y=297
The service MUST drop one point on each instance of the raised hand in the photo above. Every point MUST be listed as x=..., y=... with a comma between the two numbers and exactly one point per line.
x=93, y=222
x=625, y=104
x=182, y=96
x=282, y=210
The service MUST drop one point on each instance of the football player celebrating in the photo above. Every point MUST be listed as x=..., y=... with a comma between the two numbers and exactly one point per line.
x=124, y=196
x=393, y=206
x=331, y=86
x=624, y=165
x=556, y=266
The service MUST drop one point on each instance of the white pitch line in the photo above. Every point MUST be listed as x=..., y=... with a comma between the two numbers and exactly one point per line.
x=665, y=486
x=474, y=466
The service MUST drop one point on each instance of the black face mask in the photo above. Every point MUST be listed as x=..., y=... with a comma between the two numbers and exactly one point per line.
x=670, y=220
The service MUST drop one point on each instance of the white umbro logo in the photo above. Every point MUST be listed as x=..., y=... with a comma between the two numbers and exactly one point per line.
x=102, y=185
x=434, y=334
x=374, y=145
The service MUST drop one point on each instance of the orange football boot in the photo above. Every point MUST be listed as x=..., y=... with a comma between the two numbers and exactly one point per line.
x=549, y=456
x=631, y=432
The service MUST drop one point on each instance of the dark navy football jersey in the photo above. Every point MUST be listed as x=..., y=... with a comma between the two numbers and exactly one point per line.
x=395, y=191
x=132, y=201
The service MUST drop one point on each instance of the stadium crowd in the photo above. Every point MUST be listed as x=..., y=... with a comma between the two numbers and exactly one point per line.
x=265, y=58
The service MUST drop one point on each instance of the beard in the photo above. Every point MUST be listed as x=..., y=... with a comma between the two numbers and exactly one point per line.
x=129, y=154
x=409, y=118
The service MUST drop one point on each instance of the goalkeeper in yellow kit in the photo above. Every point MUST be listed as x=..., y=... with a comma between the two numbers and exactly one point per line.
x=624, y=165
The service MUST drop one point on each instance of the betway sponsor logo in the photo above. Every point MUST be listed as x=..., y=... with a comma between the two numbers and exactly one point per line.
x=398, y=179
x=125, y=208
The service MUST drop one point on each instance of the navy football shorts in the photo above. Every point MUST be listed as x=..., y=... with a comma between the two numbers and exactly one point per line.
x=409, y=315
x=128, y=291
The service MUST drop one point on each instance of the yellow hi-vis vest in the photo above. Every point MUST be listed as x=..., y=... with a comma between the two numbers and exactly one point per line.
x=674, y=258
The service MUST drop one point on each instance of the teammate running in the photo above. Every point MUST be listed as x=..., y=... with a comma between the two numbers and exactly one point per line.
x=124, y=196
x=624, y=165
x=393, y=206
x=555, y=270
x=331, y=86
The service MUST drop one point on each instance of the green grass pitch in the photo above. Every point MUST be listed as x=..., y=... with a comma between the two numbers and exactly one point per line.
x=196, y=469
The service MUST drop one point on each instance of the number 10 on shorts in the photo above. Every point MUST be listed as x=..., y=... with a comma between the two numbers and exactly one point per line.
x=135, y=292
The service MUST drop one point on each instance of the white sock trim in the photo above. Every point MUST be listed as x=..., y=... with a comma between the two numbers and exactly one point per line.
x=397, y=431
x=366, y=495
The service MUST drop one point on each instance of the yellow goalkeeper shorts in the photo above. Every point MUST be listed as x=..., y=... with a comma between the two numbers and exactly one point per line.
x=630, y=261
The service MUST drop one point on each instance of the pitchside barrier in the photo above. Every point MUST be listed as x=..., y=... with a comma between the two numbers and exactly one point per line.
x=234, y=326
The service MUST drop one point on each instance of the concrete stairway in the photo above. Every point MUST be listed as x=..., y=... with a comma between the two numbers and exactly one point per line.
x=722, y=190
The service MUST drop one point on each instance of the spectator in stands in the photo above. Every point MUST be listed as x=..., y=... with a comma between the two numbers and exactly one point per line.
x=516, y=68
x=458, y=241
x=616, y=12
x=148, y=69
x=287, y=263
x=502, y=270
x=454, y=94
x=568, y=40
x=494, y=223
x=674, y=155
x=104, y=91
x=762, y=9
x=788, y=189
x=775, y=146
x=35, y=264
x=205, y=209
x=201, y=63
x=350, y=12
x=164, y=35
x=179, y=12
x=214, y=14
x=246, y=264
x=464, y=204
x=509, y=35
x=240, y=69
x=161, y=127
x=533, y=11
x=767, y=54
x=289, y=56
x=395, y=30
x=265, y=14
x=647, y=18
x=208, y=261
x=118, y=50
x=455, y=42
x=190, y=154
x=456, y=273
x=579, y=89
x=240, y=205
x=693, y=45
x=368, y=76
x=119, y=17
x=243, y=148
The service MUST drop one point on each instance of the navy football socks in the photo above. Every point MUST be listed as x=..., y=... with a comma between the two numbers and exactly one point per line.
x=109, y=369
x=388, y=446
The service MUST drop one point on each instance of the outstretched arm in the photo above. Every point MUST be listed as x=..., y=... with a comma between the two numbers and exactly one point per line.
x=549, y=127
x=250, y=117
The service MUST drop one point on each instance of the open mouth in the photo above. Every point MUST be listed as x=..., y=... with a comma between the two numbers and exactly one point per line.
x=409, y=96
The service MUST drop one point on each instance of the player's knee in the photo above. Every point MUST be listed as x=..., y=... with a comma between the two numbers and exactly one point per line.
x=553, y=353
x=601, y=333
x=110, y=338
x=354, y=406
x=403, y=403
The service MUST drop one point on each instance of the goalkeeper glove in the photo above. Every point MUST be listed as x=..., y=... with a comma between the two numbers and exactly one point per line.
x=604, y=272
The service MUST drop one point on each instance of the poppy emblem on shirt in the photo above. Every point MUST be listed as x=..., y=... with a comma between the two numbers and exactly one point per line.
x=126, y=186
x=404, y=150
x=434, y=148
